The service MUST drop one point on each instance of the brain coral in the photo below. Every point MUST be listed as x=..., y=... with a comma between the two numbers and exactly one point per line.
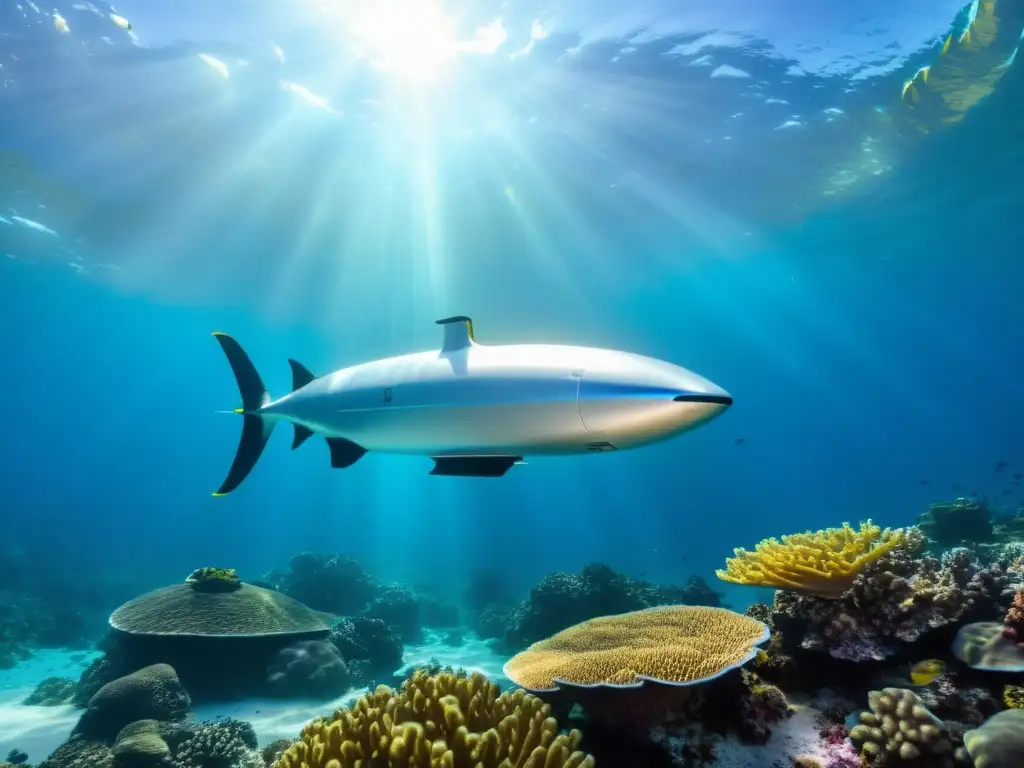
x=191, y=609
x=823, y=564
x=999, y=742
x=438, y=721
x=676, y=644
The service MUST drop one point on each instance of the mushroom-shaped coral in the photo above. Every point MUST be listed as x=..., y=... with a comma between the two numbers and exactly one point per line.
x=899, y=724
x=674, y=644
x=438, y=721
x=821, y=564
x=999, y=742
x=196, y=609
x=983, y=645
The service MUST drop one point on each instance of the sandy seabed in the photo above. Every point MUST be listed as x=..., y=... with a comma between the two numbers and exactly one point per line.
x=40, y=730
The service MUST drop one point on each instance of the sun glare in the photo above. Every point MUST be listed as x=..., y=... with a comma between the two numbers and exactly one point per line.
x=411, y=38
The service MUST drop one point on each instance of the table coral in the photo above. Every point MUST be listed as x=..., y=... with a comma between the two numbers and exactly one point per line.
x=438, y=721
x=822, y=564
x=679, y=645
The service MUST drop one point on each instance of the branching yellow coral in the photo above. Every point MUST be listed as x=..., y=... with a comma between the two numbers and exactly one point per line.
x=822, y=564
x=439, y=721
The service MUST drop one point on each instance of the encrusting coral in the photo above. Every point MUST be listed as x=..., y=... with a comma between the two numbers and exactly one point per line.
x=899, y=725
x=676, y=644
x=214, y=579
x=438, y=721
x=822, y=564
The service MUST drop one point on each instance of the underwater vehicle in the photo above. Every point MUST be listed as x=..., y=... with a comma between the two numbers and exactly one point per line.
x=475, y=409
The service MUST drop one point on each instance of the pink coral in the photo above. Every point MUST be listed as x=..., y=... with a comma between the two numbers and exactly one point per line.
x=1014, y=621
x=843, y=755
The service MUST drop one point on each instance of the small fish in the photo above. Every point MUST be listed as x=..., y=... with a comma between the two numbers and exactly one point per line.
x=120, y=21
x=739, y=440
x=925, y=671
x=1000, y=466
x=924, y=482
x=1018, y=475
x=955, y=487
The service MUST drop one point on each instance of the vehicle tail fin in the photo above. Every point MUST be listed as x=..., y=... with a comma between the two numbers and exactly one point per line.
x=255, y=428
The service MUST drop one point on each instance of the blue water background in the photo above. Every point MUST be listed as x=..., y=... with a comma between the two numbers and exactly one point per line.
x=872, y=343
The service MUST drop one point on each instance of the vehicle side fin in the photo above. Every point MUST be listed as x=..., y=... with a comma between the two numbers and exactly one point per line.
x=344, y=453
x=473, y=466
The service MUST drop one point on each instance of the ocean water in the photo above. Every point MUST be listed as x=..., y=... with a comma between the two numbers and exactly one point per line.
x=761, y=192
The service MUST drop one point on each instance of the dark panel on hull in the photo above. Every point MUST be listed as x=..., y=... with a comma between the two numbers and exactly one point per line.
x=473, y=466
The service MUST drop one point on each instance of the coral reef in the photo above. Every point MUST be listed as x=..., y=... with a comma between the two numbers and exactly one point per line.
x=112, y=735
x=956, y=523
x=309, y=668
x=438, y=613
x=371, y=642
x=80, y=754
x=897, y=601
x=900, y=725
x=679, y=645
x=560, y=600
x=333, y=583
x=52, y=692
x=399, y=608
x=441, y=720
x=822, y=564
x=221, y=743
x=273, y=751
x=44, y=604
x=99, y=672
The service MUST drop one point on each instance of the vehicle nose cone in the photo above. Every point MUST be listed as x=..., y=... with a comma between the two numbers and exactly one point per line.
x=695, y=397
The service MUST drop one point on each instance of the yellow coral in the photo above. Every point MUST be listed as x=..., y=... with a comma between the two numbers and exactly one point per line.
x=1013, y=696
x=438, y=721
x=674, y=644
x=821, y=564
